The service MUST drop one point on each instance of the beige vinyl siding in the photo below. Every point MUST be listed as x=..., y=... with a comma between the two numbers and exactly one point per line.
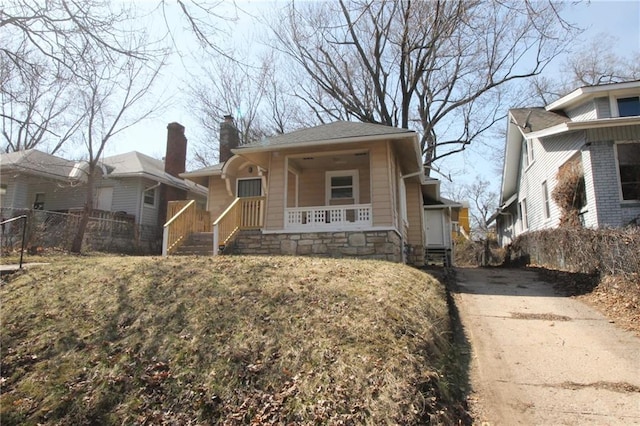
x=381, y=185
x=414, y=213
x=312, y=183
x=274, y=219
x=219, y=199
x=313, y=186
x=291, y=189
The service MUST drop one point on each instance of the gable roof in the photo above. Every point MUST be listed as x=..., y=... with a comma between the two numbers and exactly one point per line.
x=535, y=119
x=339, y=131
x=584, y=93
x=38, y=163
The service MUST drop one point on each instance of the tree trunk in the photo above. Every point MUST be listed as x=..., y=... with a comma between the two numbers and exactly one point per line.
x=76, y=245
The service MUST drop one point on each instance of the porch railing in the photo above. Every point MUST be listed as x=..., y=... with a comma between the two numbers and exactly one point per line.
x=243, y=213
x=353, y=216
x=186, y=219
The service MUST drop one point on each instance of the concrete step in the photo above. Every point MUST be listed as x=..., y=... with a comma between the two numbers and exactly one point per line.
x=199, y=243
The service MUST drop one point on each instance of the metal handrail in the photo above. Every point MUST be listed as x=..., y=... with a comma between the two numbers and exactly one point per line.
x=24, y=229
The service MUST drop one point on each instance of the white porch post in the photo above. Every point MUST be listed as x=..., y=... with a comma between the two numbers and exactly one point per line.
x=165, y=240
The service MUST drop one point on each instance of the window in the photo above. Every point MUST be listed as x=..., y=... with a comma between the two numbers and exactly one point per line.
x=525, y=152
x=38, y=204
x=628, y=107
x=342, y=186
x=629, y=168
x=545, y=200
x=249, y=187
x=522, y=215
x=3, y=188
x=150, y=197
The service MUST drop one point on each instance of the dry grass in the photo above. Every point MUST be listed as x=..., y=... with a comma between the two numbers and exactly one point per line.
x=230, y=340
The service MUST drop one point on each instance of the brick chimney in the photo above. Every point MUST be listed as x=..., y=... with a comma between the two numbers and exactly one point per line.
x=229, y=138
x=174, y=163
x=176, y=154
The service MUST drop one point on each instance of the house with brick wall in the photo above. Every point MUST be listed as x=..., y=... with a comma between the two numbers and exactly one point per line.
x=594, y=129
x=342, y=189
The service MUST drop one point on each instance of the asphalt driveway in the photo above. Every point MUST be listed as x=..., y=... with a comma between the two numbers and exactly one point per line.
x=539, y=358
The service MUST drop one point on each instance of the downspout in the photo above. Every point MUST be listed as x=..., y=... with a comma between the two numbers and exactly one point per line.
x=142, y=200
x=402, y=242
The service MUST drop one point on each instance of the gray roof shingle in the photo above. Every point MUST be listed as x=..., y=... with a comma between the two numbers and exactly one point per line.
x=332, y=131
x=534, y=119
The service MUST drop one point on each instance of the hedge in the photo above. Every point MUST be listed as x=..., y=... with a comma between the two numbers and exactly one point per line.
x=604, y=251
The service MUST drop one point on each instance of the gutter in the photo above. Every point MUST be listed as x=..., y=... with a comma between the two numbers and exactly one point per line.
x=583, y=125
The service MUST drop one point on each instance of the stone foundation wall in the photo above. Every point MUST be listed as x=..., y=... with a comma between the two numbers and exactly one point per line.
x=382, y=245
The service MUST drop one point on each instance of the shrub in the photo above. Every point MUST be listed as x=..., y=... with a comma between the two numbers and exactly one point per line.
x=607, y=251
x=569, y=193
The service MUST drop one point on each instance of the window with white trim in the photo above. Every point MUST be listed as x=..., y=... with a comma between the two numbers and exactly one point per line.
x=628, y=155
x=342, y=186
x=150, y=197
x=522, y=214
x=525, y=152
x=251, y=187
x=545, y=200
x=629, y=106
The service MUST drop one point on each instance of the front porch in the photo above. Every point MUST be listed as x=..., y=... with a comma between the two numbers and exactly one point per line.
x=328, y=218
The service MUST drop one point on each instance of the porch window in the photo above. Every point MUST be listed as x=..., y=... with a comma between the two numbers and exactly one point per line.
x=628, y=155
x=342, y=186
x=249, y=187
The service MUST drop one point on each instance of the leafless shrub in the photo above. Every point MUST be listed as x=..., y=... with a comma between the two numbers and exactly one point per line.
x=569, y=193
x=607, y=251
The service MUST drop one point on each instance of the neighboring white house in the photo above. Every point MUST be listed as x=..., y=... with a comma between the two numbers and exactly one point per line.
x=595, y=126
x=133, y=183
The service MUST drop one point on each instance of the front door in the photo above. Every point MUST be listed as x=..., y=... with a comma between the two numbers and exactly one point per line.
x=434, y=222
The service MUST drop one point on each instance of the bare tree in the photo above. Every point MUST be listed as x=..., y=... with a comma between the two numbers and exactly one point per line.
x=441, y=67
x=593, y=63
x=41, y=63
x=483, y=201
x=36, y=104
x=111, y=93
x=57, y=28
x=256, y=95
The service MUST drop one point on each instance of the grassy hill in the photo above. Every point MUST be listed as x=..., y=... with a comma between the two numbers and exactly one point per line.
x=230, y=340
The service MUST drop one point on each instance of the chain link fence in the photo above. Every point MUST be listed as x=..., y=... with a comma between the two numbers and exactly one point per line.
x=106, y=231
